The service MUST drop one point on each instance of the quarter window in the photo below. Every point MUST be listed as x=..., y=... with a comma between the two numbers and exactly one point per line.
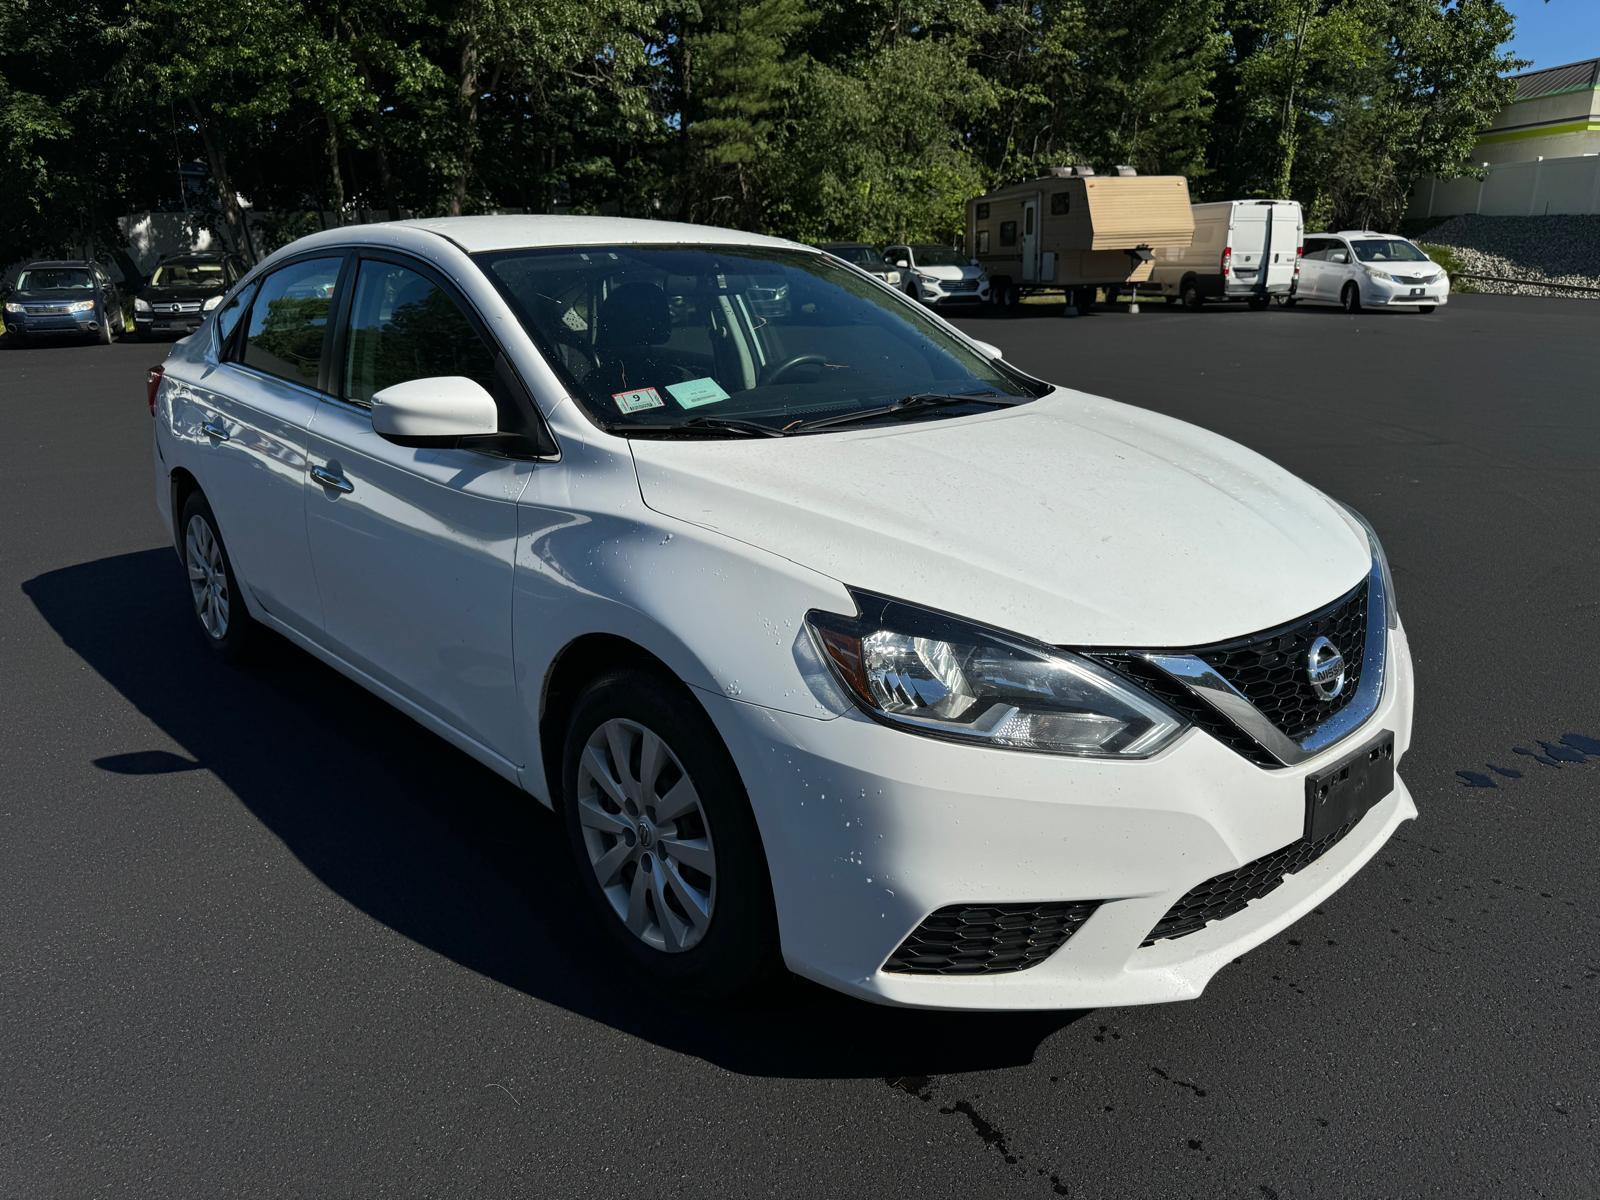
x=289, y=320
x=403, y=326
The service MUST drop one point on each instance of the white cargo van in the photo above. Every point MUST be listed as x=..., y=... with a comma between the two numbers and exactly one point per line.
x=1242, y=250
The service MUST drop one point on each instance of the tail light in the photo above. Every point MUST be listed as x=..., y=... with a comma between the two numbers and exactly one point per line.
x=1227, y=255
x=1298, y=251
x=152, y=385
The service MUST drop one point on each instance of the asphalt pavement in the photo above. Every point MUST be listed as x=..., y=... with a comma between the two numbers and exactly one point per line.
x=260, y=935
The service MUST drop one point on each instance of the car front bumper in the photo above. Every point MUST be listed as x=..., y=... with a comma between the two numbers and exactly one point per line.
x=178, y=323
x=869, y=829
x=62, y=325
x=1379, y=293
x=939, y=293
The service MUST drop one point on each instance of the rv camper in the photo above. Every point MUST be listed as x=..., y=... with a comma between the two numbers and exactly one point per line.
x=1074, y=231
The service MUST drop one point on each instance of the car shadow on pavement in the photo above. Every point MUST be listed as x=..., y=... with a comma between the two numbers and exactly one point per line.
x=420, y=837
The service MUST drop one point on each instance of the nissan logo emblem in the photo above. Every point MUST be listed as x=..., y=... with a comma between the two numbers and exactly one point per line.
x=1325, y=669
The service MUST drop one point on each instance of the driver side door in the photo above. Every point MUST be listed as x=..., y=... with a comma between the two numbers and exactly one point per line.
x=413, y=547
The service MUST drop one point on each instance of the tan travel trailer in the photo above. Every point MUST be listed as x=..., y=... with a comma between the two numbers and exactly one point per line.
x=1074, y=231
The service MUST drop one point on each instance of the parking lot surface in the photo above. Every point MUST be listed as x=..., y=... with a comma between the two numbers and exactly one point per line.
x=262, y=935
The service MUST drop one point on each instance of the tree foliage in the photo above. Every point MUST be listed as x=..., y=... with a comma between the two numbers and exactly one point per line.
x=871, y=119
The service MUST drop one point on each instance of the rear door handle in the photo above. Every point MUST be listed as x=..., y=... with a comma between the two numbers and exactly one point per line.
x=215, y=429
x=332, y=479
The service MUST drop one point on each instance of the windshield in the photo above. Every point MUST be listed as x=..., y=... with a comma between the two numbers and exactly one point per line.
x=42, y=279
x=937, y=256
x=862, y=256
x=1387, y=250
x=188, y=274
x=651, y=338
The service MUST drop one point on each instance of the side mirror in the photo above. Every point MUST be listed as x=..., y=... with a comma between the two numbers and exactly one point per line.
x=434, y=412
x=988, y=349
x=901, y=263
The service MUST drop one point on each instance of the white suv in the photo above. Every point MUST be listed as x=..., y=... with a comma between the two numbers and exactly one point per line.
x=974, y=692
x=1361, y=269
x=938, y=275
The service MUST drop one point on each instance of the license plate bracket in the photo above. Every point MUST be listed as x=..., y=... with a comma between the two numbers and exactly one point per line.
x=1416, y=291
x=1341, y=794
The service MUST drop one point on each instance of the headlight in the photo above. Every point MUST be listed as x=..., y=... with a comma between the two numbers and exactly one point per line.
x=939, y=676
x=926, y=278
x=140, y=304
x=892, y=277
x=1391, y=605
x=81, y=306
x=1384, y=275
x=211, y=303
x=13, y=307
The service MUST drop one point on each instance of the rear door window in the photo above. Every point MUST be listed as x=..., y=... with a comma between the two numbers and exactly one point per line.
x=289, y=321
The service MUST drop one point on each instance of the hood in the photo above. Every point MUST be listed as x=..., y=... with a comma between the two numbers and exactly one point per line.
x=184, y=292
x=942, y=272
x=54, y=295
x=1072, y=520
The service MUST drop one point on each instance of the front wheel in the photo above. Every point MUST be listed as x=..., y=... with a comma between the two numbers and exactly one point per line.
x=1426, y=308
x=1350, y=298
x=664, y=837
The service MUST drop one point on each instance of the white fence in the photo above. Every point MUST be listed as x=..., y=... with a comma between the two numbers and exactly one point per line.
x=1523, y=189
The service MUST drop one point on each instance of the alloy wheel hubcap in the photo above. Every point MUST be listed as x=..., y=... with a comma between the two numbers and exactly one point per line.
x=646, y=835
x=208, y=578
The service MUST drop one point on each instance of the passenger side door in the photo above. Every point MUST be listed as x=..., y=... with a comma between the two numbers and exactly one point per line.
x=413, y=548
x=249, y=419
x=1313, y=269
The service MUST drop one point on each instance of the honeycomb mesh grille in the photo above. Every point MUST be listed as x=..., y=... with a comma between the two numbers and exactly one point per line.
x=1224, y=895
x=1270, y=668
x=971, y=939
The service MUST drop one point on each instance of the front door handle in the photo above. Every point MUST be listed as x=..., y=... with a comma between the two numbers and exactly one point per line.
x=215, y=429
x=332, y=479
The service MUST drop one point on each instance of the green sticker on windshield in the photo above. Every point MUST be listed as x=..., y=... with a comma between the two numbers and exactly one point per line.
x=695, y=392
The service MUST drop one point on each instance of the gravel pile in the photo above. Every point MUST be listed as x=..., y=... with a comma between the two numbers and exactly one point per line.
x=1531, y=250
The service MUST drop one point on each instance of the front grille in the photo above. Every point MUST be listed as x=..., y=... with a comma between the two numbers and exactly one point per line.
x=961, y=285
x=972, y=939
x=1270, y=668
x=1415, y=279
x=45, y=310
x=1181, y=700
x=186, y=307
x=1224, y=895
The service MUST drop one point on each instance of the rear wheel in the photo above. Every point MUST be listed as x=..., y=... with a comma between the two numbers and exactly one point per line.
x=1288, y=301
x=226, y=628
x=664, y=837
x=1192, y=300
x=1350, y=298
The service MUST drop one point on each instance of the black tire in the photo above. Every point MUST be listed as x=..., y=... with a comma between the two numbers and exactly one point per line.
x=1288, y=301
x=1259, y=303
x=738, y=952
x=240, y=632
x=16, y=341
x=1350, y=298
x=1426, y=308
x=103, y=335
x=1190, y=293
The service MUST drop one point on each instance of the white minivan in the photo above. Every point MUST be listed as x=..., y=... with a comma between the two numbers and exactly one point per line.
x=1360, y=269
x=1242, y=250
x=835, y=640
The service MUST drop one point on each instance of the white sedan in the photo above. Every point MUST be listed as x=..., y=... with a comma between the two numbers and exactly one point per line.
x=974, y=693
x=1361, y=269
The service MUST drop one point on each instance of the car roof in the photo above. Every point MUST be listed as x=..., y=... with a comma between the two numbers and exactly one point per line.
x=82, y=264
x=846, y=246
x=1360, y=233
x=479, y=234
x=194, y=256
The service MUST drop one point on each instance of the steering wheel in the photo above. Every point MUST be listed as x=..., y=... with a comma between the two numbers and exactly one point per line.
x=774, y=374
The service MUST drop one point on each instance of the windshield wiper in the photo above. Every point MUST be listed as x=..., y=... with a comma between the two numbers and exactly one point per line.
x=905, y=404
x=702, y=424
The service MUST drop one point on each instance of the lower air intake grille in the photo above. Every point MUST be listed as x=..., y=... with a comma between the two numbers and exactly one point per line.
x=1226, y=894
x=970, y=939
